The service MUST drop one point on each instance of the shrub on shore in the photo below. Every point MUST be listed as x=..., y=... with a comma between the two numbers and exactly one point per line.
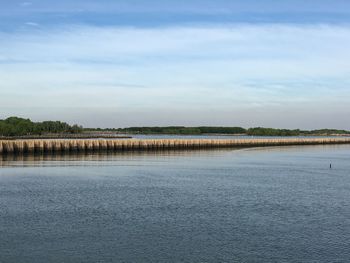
x=15, y=126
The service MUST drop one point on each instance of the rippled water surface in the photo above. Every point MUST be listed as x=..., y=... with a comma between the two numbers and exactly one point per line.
x=281, y=204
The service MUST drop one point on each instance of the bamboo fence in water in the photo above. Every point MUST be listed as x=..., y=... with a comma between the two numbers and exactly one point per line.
x=85, y=145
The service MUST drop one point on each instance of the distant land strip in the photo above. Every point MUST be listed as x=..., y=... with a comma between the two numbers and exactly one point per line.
x=19, y=128
x=87, y=145
x=215, y=130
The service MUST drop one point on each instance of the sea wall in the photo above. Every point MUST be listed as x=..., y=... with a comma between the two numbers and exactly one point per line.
x=84, y=145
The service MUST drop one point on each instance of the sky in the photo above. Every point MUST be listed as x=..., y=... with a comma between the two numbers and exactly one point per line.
x=121, y=63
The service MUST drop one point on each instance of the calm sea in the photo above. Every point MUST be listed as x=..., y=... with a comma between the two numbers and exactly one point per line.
x=281, y=204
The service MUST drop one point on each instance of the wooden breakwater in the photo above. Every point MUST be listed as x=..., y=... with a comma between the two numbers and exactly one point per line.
x=85, y=145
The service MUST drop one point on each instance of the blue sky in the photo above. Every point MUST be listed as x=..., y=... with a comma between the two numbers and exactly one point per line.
x=159, y=62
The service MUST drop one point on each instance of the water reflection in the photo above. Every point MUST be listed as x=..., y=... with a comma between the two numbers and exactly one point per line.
x=219, y=136
x=106, y=158
x=99, y=158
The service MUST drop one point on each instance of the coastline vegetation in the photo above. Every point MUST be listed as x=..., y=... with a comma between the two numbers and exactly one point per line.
x=258, y=131
x=181, y=130
x=16, y=127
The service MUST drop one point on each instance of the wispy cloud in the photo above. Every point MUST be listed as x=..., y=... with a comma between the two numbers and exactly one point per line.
x=310, y=51
x=226, y=68
x=163, y=13
x=31, y=24
x=25, y=4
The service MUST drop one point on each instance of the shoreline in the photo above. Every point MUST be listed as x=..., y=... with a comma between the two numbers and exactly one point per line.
x=117, y=145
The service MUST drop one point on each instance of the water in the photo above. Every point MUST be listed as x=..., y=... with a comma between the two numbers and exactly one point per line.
x=279, y=204
x=218, y=136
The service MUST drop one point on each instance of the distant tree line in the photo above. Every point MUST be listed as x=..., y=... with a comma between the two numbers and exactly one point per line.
x=325, y=132
x=258, y=131
x=272, y=132
x=181, y=130
x=15, y=126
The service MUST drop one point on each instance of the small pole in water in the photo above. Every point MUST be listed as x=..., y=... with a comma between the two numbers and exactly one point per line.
x=330, y=166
